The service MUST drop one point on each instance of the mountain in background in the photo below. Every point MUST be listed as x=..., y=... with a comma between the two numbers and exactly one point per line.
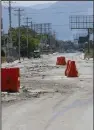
x=57, y=13
x=41, y=6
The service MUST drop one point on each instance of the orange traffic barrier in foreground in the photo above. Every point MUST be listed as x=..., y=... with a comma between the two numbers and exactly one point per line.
x=67, y=67
x=61, y=61
x=10, y=80
x=72, y=71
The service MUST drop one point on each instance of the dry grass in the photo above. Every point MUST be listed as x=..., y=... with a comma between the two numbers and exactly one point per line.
x=89, y=55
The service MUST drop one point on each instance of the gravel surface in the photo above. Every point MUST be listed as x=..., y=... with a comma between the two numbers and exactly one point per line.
x=48, y=100
x=43, y=74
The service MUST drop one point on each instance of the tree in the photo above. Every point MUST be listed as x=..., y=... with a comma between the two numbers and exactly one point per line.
x=33, y=42
x=34, y=39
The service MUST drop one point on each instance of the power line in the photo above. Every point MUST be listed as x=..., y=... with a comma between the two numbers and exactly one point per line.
x=40, y=13
x=19, y=23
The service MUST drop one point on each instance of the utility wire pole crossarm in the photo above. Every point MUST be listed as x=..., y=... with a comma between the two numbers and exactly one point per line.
x=19, y=23
x=10, y=42
x=27, y=21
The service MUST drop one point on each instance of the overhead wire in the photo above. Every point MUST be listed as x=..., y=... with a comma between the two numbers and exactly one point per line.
x=40, y=13
x=59, y=12
x=6, y=4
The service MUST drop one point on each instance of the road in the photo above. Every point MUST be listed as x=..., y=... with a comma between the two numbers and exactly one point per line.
x=68, y=108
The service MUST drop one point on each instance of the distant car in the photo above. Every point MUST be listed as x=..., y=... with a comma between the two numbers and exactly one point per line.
x=9, y=59
x=68, y=51
x=36, y=54
x=81, y=49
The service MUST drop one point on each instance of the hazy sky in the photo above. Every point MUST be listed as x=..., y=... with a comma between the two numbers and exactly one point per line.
x=28, y=3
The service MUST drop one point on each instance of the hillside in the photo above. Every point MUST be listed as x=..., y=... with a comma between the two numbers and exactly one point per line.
x=57, y=14
x=41, y=6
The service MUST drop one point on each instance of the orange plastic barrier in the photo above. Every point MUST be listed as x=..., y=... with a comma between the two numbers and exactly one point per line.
x=67, y=67
x=61, y=61
x=10, y=79
x=72, y=71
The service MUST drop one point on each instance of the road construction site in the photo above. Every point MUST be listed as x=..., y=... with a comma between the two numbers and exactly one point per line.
x=48, y=100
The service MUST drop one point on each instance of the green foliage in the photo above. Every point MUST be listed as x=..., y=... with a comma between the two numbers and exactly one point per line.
x=3, y=39
x=33, y=39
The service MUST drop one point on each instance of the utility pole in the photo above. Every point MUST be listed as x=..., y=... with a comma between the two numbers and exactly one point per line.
x=31, y=24
x=27, y=35
x=10, y=34
x=49, y=28
x=88, y=42
x=34, y=29
x=10, y=44
x=31, y=28
x=19, y=23
x=27, y=21
x=41, y=30
x=54, y=35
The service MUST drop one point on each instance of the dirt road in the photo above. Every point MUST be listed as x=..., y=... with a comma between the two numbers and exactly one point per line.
x=68, y=104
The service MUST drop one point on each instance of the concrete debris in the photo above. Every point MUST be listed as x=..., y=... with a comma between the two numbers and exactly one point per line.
x=43, y=74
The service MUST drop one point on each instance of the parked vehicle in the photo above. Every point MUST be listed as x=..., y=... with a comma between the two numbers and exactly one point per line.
x=36, y=54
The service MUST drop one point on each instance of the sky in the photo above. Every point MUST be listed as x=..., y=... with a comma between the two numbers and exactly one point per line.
x=30, y=3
